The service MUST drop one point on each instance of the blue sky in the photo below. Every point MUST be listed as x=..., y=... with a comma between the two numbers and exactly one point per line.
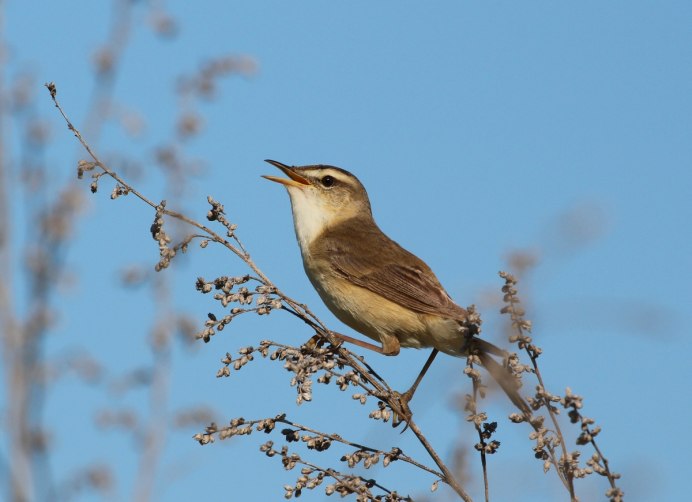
x=478, y=129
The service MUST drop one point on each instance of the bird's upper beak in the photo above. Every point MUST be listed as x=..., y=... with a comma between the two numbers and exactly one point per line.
x=295, y=179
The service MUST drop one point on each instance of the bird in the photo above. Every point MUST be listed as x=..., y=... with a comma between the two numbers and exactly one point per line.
x=371, y=283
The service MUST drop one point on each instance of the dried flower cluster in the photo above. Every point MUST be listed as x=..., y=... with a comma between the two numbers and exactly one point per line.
x=546, y=441
x=328, y=364
x=311, y=475
x=203, y=83
x=262, y=296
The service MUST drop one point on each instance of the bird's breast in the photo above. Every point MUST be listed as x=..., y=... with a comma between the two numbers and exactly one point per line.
x=357, y=307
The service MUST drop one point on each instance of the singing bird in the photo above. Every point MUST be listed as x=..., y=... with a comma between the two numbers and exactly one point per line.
x=370, y=282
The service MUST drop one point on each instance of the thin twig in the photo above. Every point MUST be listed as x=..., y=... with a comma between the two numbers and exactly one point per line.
x=448, y=476
x=484, y=460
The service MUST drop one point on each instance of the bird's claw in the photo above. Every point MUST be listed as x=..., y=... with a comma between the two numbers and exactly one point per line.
x=313, y=342
x=401, y=409
x=318, y=340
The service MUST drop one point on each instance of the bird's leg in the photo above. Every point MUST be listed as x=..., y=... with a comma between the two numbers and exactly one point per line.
x=387, y=349
x=390, y=347
x=408, y=395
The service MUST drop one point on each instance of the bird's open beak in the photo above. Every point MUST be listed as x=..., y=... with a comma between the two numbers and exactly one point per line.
x=296, y=180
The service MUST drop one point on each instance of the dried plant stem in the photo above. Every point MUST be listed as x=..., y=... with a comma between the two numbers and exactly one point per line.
x=19, y=472
x=380, y=388
x=597, y=462
x=481, y=439
x=609, y=474
x=154, y=434
x=518, y=323
x=387, y=395
x=336, y=438
x=107, y=60
x=238, y=251
x=394, y=404
x=484, y=464
x=565, y=475
x=448, y=476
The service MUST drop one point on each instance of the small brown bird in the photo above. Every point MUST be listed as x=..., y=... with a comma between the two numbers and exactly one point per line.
x=369, y=281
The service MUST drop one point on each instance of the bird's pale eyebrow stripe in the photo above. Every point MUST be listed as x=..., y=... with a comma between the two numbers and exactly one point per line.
x=337, y=175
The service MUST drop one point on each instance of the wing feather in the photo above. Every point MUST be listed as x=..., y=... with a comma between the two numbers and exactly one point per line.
x=385, y=268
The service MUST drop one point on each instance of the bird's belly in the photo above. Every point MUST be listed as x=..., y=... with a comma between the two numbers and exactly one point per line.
x=378, y=318
x=444, y=334
x=358, y=308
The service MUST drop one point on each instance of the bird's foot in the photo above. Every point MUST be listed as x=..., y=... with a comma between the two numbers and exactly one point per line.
x=401, y=409
x=318, y=341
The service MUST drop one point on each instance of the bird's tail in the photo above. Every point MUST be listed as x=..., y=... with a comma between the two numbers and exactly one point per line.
x=485, y=352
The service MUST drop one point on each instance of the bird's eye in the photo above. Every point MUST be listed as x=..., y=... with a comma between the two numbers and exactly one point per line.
x=328, y=181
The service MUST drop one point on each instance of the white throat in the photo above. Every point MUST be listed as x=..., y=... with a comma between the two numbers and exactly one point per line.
x=310, y=215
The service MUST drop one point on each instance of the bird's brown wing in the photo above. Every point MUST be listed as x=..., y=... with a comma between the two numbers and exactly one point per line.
x=389, y=270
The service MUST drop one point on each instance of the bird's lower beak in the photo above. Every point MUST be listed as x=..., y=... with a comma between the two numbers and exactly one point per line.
x=296, y=180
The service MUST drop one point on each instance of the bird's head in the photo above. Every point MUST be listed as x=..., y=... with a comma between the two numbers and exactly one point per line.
x=321, y=196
